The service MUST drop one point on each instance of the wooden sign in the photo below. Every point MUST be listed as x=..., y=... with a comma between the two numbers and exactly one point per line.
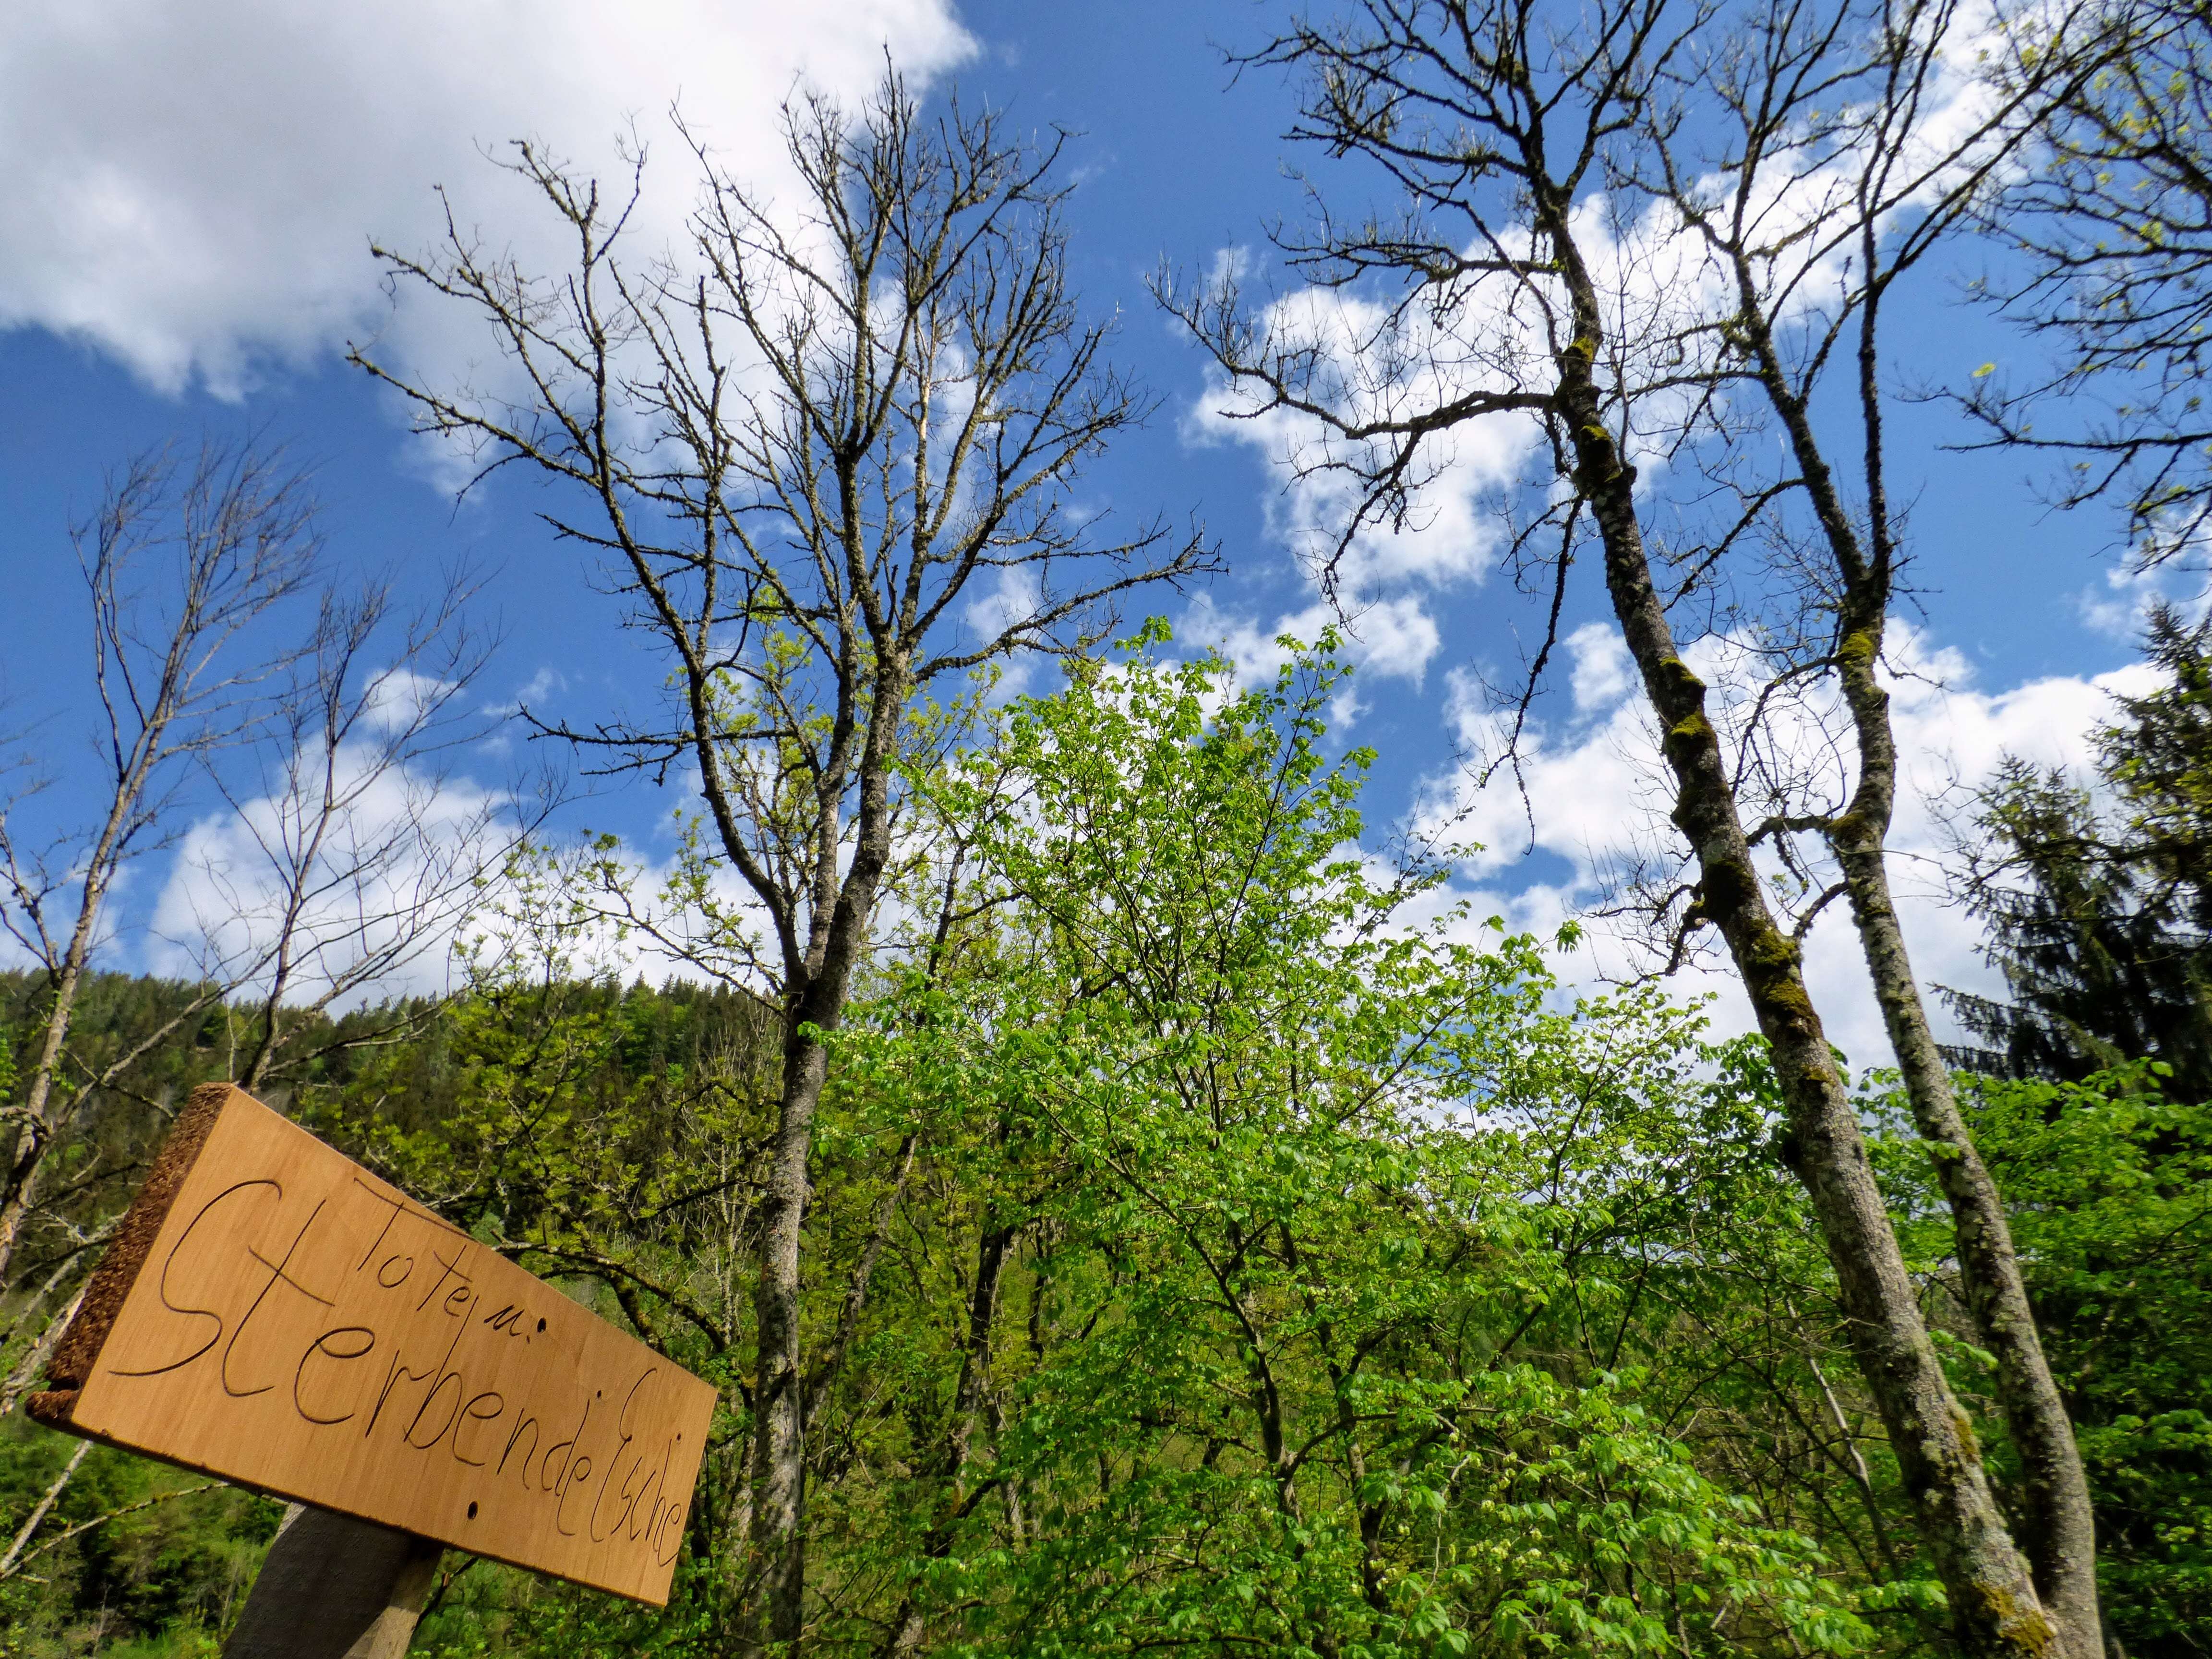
x=272, y=1313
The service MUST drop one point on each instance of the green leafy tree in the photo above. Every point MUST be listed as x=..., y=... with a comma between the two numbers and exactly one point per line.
x=1221, y=1240
x=1268, y=1388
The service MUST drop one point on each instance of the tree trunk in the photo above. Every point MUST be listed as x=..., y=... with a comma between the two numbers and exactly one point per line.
x=39, y=1512
x=1994, y=1606
x=779, y=1506
x=2060, y=1534
x=35, y=1134
x=817, y=988
x=2060, y=1529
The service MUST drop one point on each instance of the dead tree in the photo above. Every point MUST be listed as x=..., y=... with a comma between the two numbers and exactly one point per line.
x=176, y=684
x=352, y=849
x=1851, y=143
x=290, y=765
x=1509, y=285
x=825, y=456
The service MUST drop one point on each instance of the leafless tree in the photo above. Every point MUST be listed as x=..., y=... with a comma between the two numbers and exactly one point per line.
x=826, y=456
x=1526, y=274
x=352, y=849
x=1818, y=155
x=176, y=684
x=347, y=852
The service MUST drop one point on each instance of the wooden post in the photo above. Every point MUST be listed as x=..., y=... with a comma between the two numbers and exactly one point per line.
x=336, y=1588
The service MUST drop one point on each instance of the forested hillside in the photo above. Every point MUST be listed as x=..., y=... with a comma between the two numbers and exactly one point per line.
x=1201, y=1251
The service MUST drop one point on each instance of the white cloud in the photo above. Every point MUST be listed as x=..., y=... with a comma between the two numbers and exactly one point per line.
x=382, y=878
x=2120, y=607
x=1389, y=639
x=1602, y=666
x=192, y=188
x=1596, y=797
x=532, y=693
x=1371, y=368
x=401, y=700
x=1012, y=597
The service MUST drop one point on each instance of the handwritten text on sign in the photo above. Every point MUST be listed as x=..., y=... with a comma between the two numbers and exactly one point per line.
x=301, y=1327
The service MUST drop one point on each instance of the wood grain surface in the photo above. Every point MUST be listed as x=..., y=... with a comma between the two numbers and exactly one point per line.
x=273, y=1314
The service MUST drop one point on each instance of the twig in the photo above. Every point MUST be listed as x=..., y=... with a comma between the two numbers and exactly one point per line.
x=46, y=1503
x=61, y=1538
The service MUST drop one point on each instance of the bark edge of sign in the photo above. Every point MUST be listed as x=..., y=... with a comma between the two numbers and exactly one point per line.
x=78, y=1350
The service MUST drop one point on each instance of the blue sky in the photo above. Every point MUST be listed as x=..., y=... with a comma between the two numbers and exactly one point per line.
x=215, y=290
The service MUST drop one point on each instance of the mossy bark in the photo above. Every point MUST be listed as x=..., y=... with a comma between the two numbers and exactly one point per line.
x=2059, y=1533
x=2060, y=1529
x=1994, y=1607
